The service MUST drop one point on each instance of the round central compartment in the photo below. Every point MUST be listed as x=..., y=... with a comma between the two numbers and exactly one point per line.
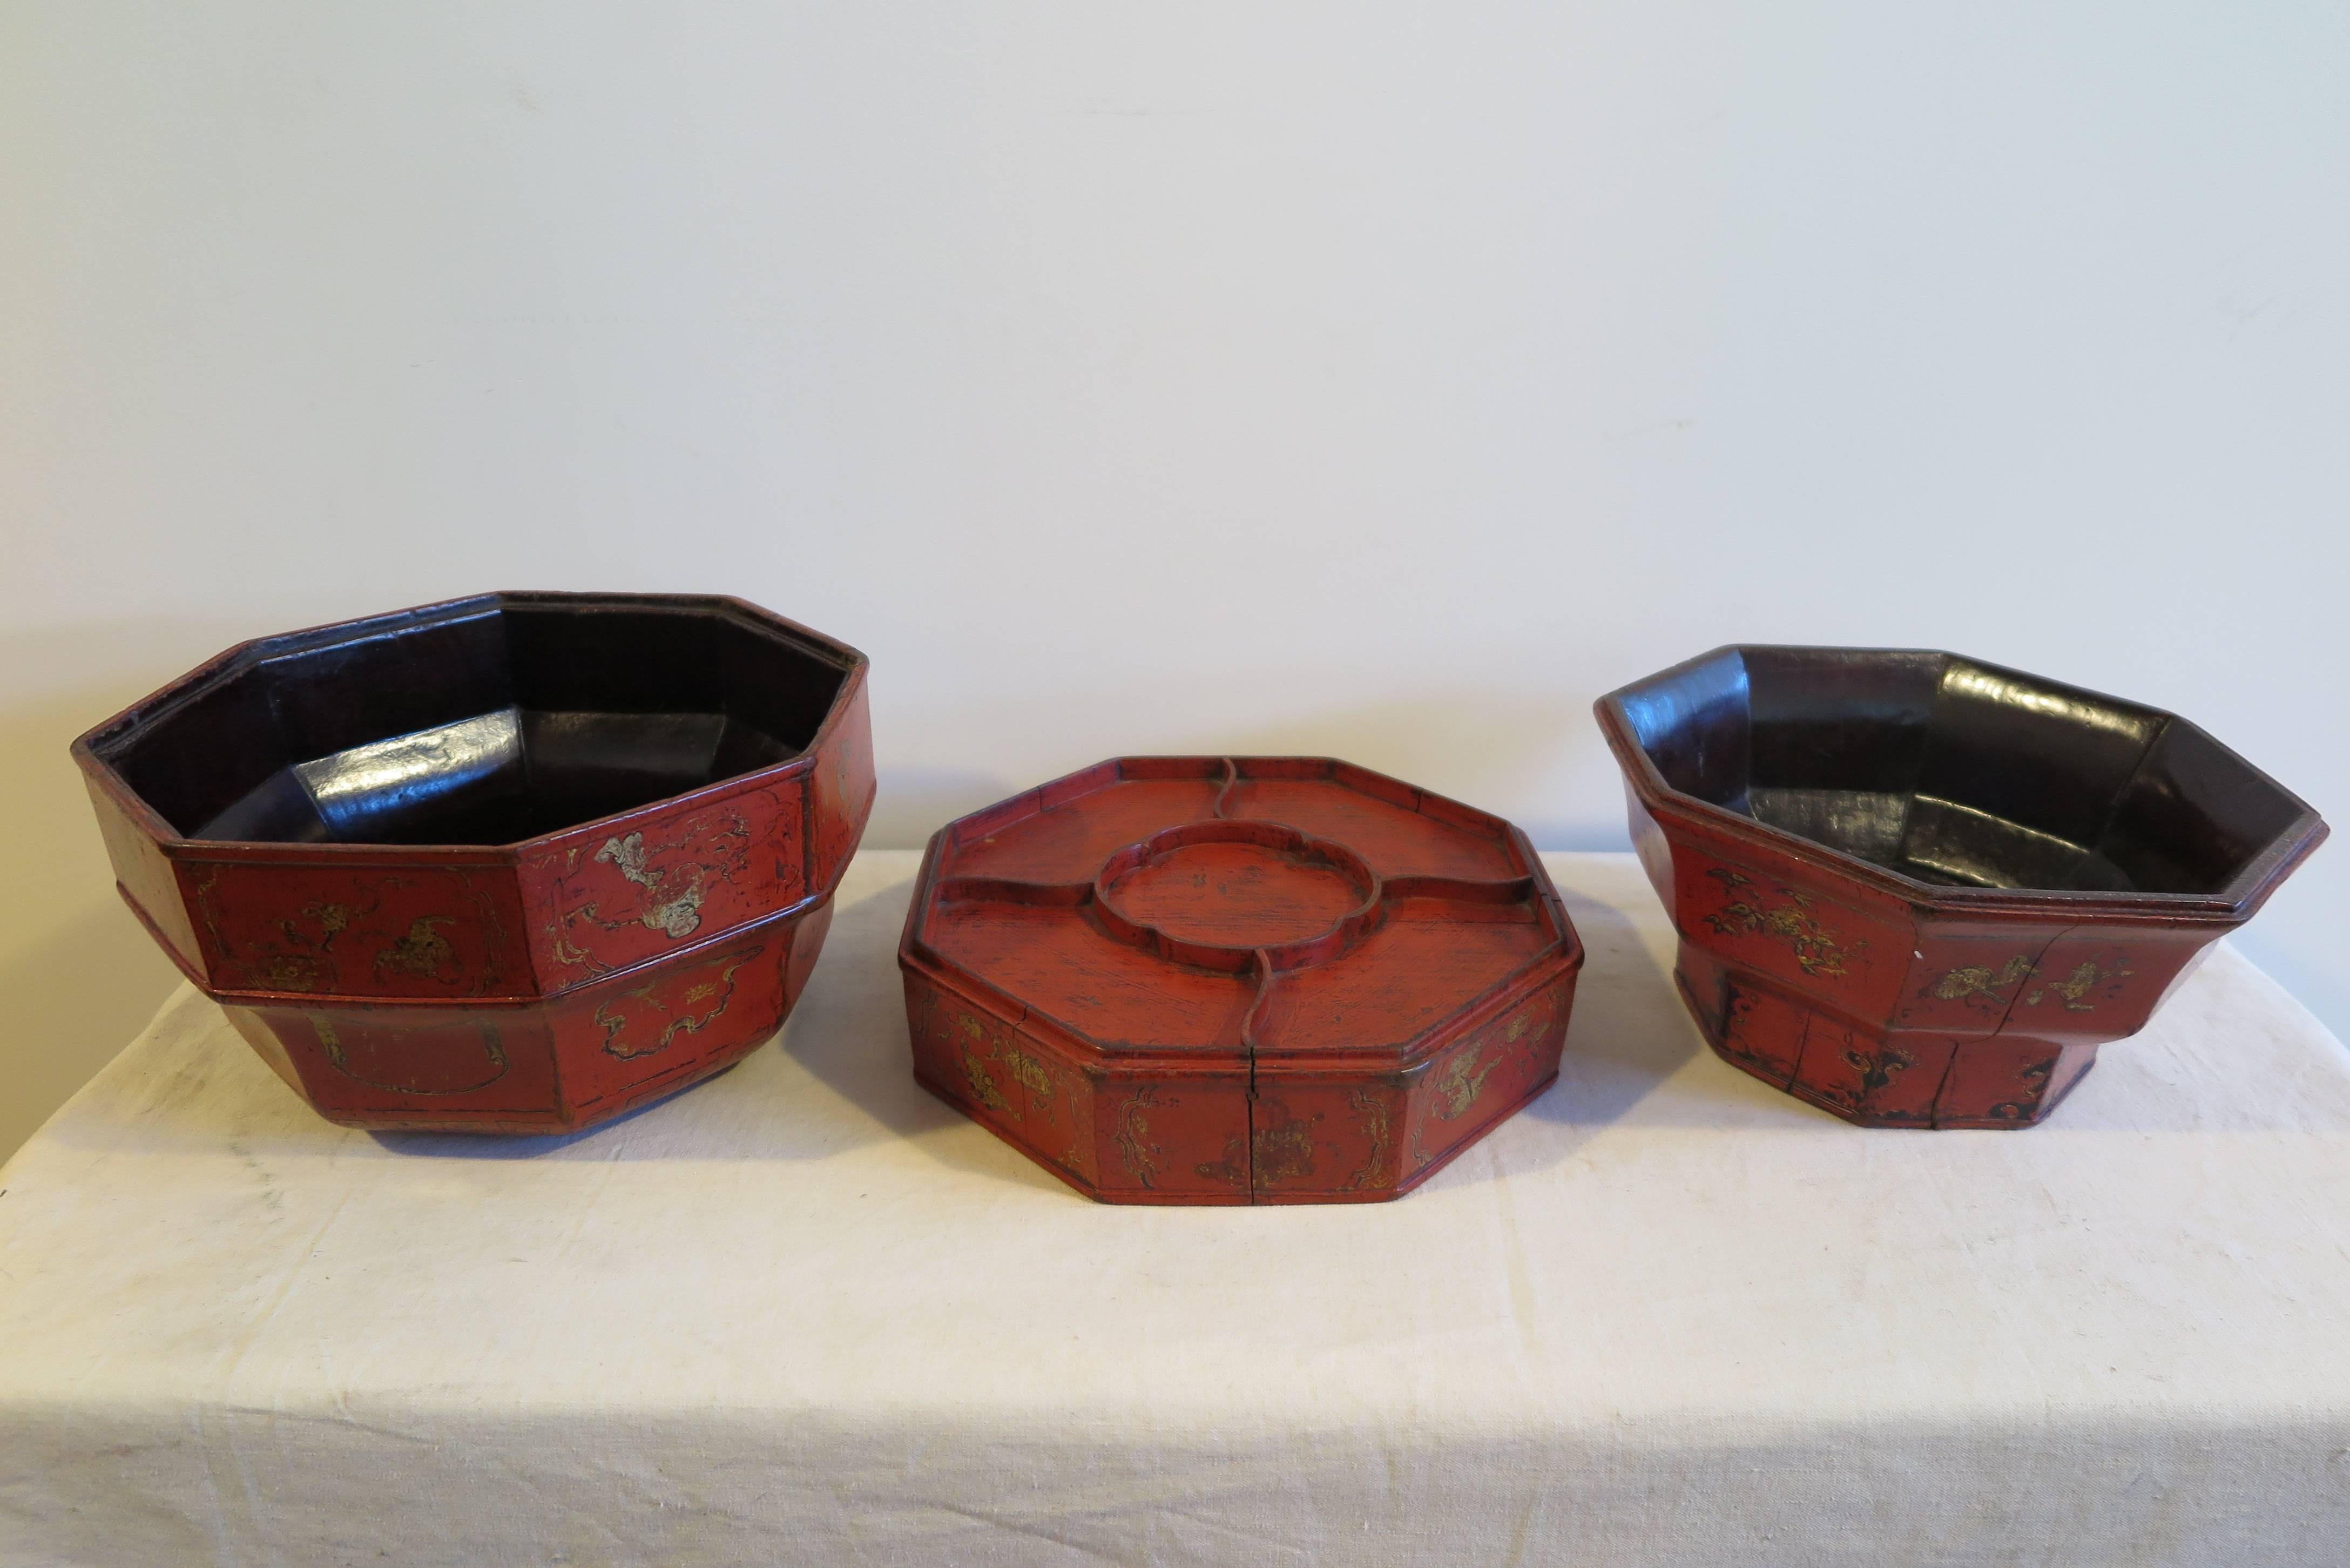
x=1237, y=894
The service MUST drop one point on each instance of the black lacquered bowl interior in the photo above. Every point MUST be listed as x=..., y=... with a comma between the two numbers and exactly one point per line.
x=1958, y=773
x=484, y=721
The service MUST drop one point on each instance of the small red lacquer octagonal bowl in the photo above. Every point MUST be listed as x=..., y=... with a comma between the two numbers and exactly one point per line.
x=1246, y=980
x=511, y=864
x=1919, y=891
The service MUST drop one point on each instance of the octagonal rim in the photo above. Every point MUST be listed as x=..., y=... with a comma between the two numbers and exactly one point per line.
x=2232, y=904
x=86, y=749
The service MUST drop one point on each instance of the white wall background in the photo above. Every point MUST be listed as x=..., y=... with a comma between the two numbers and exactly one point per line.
x=1367, y=377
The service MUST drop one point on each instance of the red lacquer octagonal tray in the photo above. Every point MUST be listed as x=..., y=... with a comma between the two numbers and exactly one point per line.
x=1244, y=979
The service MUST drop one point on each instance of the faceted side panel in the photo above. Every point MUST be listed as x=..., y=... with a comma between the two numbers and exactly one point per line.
x=1459, y=1093
x=1967, y=976
x=1694, y=722
x=1023, y=1090
x=2093, y=985
x=1762, y=1031
x=1704, y=986
x=643, y=1034
x=1792, y=925
x=1877, y=1080
x=2102, y=983
x=2008, y=1081
x=2047, y=979
x=539, y=1067
x=147, y=880
x=2044, y=990
x=439, y=932
x=1898, y=1078
x=343, y=687
x=1172, y=1137
x=2073, y=1063
x=602, y=899
x=840, y=792
x=190, y=750
x=1650, y=843
x=2085, y=985
x=458, y=1069
x=1825, y=730
x=1321, y=1138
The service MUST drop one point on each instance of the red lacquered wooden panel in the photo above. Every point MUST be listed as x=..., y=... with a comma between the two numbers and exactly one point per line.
x=635, y=1036
x=840, y=788
x=1892, y=1079
x=1785, y=922
x=975, y=1059
x=1171, y=1137
x=1965, y=978
x=148, y=882
x=1496, y=1066
x=443, y=931
x=1324, y=1138
x=486, y=1068
x=2005, y=1081
x=603, y=900
x=2093, y=981
x=1763, y=1031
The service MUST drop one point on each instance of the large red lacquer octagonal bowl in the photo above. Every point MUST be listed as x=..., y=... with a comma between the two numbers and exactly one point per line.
x=1245, y=979
x=507, y=864
x=1921, y=891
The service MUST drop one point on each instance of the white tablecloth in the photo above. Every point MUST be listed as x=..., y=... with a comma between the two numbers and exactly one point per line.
x=804, y=1313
